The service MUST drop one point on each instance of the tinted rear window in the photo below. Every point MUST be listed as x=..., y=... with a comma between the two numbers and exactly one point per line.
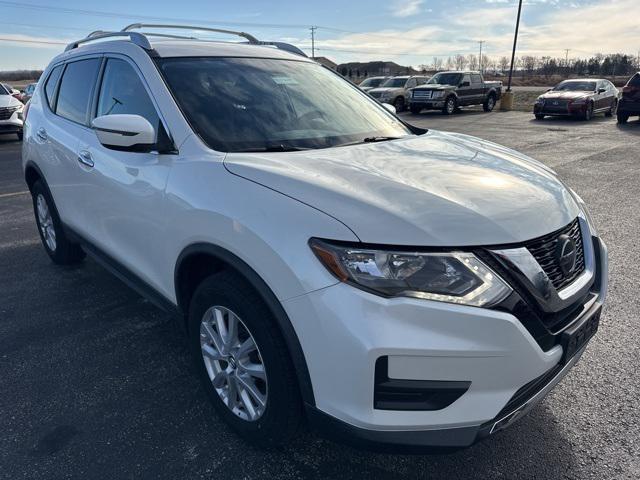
x=50, y=86
x=75, y=89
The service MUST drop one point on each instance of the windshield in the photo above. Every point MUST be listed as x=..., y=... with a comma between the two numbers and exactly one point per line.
x=446, y=79
x=395, y=83
x=372, y=82
x=3, y=91
x=251, y=104
x=576, y=87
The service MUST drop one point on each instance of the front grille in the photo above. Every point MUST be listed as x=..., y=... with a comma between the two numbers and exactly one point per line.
x=422, y=94
x=6, y=112
x=544, y=251
x=556, y=105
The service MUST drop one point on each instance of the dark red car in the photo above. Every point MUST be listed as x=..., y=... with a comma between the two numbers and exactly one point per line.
x=630, y=102
x=581, y=98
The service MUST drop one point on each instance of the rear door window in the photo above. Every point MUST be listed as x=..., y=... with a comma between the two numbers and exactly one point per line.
x=50, y=86
x=76, y=88
x=476, y=79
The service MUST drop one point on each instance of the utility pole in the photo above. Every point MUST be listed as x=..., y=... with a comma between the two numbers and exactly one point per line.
x=480, y=58
x=313, y=41
x=515, y=42
x=566, y=57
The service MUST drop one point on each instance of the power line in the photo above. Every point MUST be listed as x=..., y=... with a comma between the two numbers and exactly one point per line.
x=44, y=42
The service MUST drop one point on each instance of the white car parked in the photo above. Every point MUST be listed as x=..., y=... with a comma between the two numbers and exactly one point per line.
x=393, y=285
x=11, y=110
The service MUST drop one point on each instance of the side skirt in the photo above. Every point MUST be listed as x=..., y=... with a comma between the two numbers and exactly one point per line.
x=124, y=274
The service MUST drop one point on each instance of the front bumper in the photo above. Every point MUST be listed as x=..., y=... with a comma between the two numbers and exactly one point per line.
x=12, y=125
x=430, y=105
x=569, y=110
x=344, y=331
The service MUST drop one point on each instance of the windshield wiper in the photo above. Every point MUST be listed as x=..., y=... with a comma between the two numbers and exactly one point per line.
x=378, y=139
x=272, y=148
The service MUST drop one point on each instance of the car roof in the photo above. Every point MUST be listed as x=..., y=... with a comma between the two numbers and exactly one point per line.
x=172, y=48
x=583, y=80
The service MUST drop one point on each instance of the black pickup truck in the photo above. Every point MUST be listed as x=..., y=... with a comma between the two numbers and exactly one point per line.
x=447, y=91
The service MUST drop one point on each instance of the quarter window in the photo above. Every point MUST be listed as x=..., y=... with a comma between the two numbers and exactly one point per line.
x=76, y=88
x=122, y=92
x=50, y=86
x=476, y=79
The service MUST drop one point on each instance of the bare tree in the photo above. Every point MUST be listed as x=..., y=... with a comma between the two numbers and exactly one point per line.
x=437, y=63
x=460, y=62
x=451, y=64
x=472, y=61
x=504, y=63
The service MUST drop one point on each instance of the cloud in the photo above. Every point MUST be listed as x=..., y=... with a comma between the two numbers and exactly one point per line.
x=405, y=8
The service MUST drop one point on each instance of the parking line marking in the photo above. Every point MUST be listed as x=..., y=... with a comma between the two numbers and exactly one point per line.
x=14, y=194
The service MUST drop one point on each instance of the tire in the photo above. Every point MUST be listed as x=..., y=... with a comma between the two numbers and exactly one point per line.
x=612, y=111
x=539, y=116
x=490, y=103
x=588, y=113
x=622, y=118
x=399, y=104
x=59, y=248
x=450, y=105
x=279, y=421
x=20, y=135
x=415, y=110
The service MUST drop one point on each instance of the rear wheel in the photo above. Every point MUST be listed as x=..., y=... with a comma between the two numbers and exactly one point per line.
x=539, y=116
x=623, y=118
x=243, y=361
x=59, y=248
x=450, y=106
x=489, y=103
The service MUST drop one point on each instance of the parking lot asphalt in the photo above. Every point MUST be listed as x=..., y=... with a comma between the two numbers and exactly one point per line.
x=97, y=383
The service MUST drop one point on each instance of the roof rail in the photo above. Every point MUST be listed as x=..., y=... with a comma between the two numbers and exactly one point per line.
x=140, y=38
x=245, y=35
x=137, y=38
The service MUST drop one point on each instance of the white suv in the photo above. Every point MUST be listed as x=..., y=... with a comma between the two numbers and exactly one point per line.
x=11, y=111
x=393, y=286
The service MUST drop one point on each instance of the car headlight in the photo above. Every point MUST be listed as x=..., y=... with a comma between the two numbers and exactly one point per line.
x=453, y=277
x=437, y=94
x=585, y=211
x=539, y=101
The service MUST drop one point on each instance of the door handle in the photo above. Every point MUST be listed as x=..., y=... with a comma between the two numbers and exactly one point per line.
x=84, y=158
x=41, y=133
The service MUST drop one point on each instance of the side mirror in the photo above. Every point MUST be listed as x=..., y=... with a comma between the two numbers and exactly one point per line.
x=602, y=90
x=125, y=132
x=389, y=107
x=549, y=89
x=465, y=84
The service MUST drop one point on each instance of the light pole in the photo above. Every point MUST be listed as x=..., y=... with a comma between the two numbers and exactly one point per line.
x=515, y=42
x=313, y=41
x=480, y=58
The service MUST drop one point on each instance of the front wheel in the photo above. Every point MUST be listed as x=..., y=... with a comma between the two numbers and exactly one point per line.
x=243, y=362
x=450, y=106
x=415, y=109
x=59, y=248
x=489, y=103
x=539, y=116
x=588, y=113
x=623, y=118
x=399, y=104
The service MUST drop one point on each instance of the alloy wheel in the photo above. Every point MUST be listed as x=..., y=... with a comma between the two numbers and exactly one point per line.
x=45, y=221
x=234, y=363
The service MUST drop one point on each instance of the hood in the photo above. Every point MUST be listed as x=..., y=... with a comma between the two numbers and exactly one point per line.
x=569, y=95
x=438, y=189
x=434, y=86
x=9, y=101
x=384, y=89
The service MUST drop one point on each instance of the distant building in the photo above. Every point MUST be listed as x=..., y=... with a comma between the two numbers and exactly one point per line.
x=375, y=69
x=326, y=62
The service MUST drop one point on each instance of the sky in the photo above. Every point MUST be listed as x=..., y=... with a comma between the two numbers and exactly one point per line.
x=409, y=32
